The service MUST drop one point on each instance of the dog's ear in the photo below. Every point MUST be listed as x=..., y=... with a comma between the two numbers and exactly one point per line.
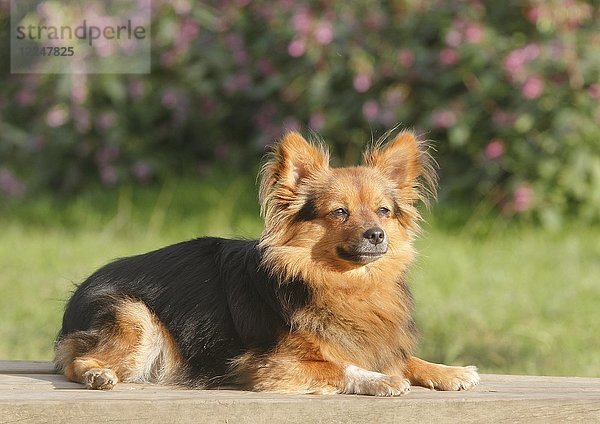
x=405, y=161
x=293, y=163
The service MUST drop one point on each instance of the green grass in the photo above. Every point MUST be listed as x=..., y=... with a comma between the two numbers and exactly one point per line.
x=519, y=301
x=510, y=299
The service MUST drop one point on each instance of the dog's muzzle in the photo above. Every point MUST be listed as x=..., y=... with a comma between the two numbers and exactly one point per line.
x=372, y=246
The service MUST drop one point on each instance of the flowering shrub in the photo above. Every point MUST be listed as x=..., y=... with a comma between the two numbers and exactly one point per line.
x=509, y=91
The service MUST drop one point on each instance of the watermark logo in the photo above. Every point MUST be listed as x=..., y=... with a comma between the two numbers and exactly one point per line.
x=80, y=36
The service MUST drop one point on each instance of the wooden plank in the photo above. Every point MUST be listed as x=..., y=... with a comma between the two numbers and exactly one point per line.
x=41, y=397
x=27, y=367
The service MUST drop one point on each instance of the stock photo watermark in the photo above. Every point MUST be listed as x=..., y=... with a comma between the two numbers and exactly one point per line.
x=80, y=36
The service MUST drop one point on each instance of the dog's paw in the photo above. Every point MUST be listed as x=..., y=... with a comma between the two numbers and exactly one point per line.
x=100, y=379
x=455, y=378
x=363, y=382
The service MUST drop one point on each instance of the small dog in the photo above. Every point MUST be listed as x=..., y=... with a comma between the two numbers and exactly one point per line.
x=320, y=304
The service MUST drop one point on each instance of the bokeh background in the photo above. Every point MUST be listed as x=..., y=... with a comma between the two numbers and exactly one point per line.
x=99, y=166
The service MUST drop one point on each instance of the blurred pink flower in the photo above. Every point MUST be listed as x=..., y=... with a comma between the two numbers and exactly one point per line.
x=502, y=118
x=474, y=33
x=291, y=124
x=388, y=118
x=79, y=89
x=57, y=116
x=387, y=70
x=557, y=48
x=362, y=82
x=223, y=23
x=240, y=57
x=168, y=59
x=104, y=48
x=235, y=41
x=169, y=98
x=532, y=87
x=531, y=51
x=265, y=116
x=106, y=121
x=188, y=30
x=515, y=61
x=24, y=97
x=453, y=38
x=301, y=21
x=265, y=14
x=10, y=185
x=135, y=89
x=81, y=117
x=406, y=58
x=448, y=56
x=239, y=82
x=324, y=33
x=142, y=171
x=580, y=12
x=106, y=154
x=182, y=7
x=394, y=97
x=374, y=21
x=443, y=118
x=522, y=198
x=265, y=67
x=494, y=149
x=297, y=47
x=317, y=121
x=594, y=91
x=533, y=14
x=108, y=175
x=370, y=110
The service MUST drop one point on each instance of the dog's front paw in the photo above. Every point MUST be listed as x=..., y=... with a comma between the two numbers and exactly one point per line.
x=455, y=378
x=363, y=382
x=100, y=379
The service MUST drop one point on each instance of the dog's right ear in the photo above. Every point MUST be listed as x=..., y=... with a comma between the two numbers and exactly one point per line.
x=293, y=163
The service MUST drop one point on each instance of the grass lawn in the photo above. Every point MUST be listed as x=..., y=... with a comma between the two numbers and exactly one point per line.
x=515, y=300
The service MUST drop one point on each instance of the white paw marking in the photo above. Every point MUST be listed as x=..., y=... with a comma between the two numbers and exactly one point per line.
x=463, y=378
x=363, y=382
x=100, y=379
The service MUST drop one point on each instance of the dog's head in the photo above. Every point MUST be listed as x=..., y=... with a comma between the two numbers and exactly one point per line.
x=342, y=218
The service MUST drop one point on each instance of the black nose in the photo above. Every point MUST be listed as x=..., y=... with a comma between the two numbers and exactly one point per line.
x=375, y=235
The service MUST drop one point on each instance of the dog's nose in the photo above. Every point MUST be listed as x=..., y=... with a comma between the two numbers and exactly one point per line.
x=375, y=235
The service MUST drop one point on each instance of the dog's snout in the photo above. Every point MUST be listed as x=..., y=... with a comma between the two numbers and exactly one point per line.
x=375, y=235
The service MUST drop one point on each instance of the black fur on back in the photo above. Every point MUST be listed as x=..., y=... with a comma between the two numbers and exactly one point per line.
x=211, y=294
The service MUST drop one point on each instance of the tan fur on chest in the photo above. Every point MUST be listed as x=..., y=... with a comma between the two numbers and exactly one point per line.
x=368, y=326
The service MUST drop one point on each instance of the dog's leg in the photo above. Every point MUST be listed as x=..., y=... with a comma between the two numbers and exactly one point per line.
x=128, y=345
x=81, y=358
x=362, y=382
x=92, y=372
x=285, y=374
x=438, y=376
x=298, y=365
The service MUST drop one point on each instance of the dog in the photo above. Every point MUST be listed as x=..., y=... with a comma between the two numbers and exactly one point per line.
x=319, y=304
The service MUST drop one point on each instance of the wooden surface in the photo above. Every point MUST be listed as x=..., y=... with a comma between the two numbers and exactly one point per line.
x=31, y=393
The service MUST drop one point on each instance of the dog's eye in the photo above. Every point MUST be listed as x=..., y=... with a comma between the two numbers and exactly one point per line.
x=340, y=212
x=383, y=211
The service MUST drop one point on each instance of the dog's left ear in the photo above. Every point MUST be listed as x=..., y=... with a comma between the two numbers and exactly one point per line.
x=294, y=162
x=406, y=162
